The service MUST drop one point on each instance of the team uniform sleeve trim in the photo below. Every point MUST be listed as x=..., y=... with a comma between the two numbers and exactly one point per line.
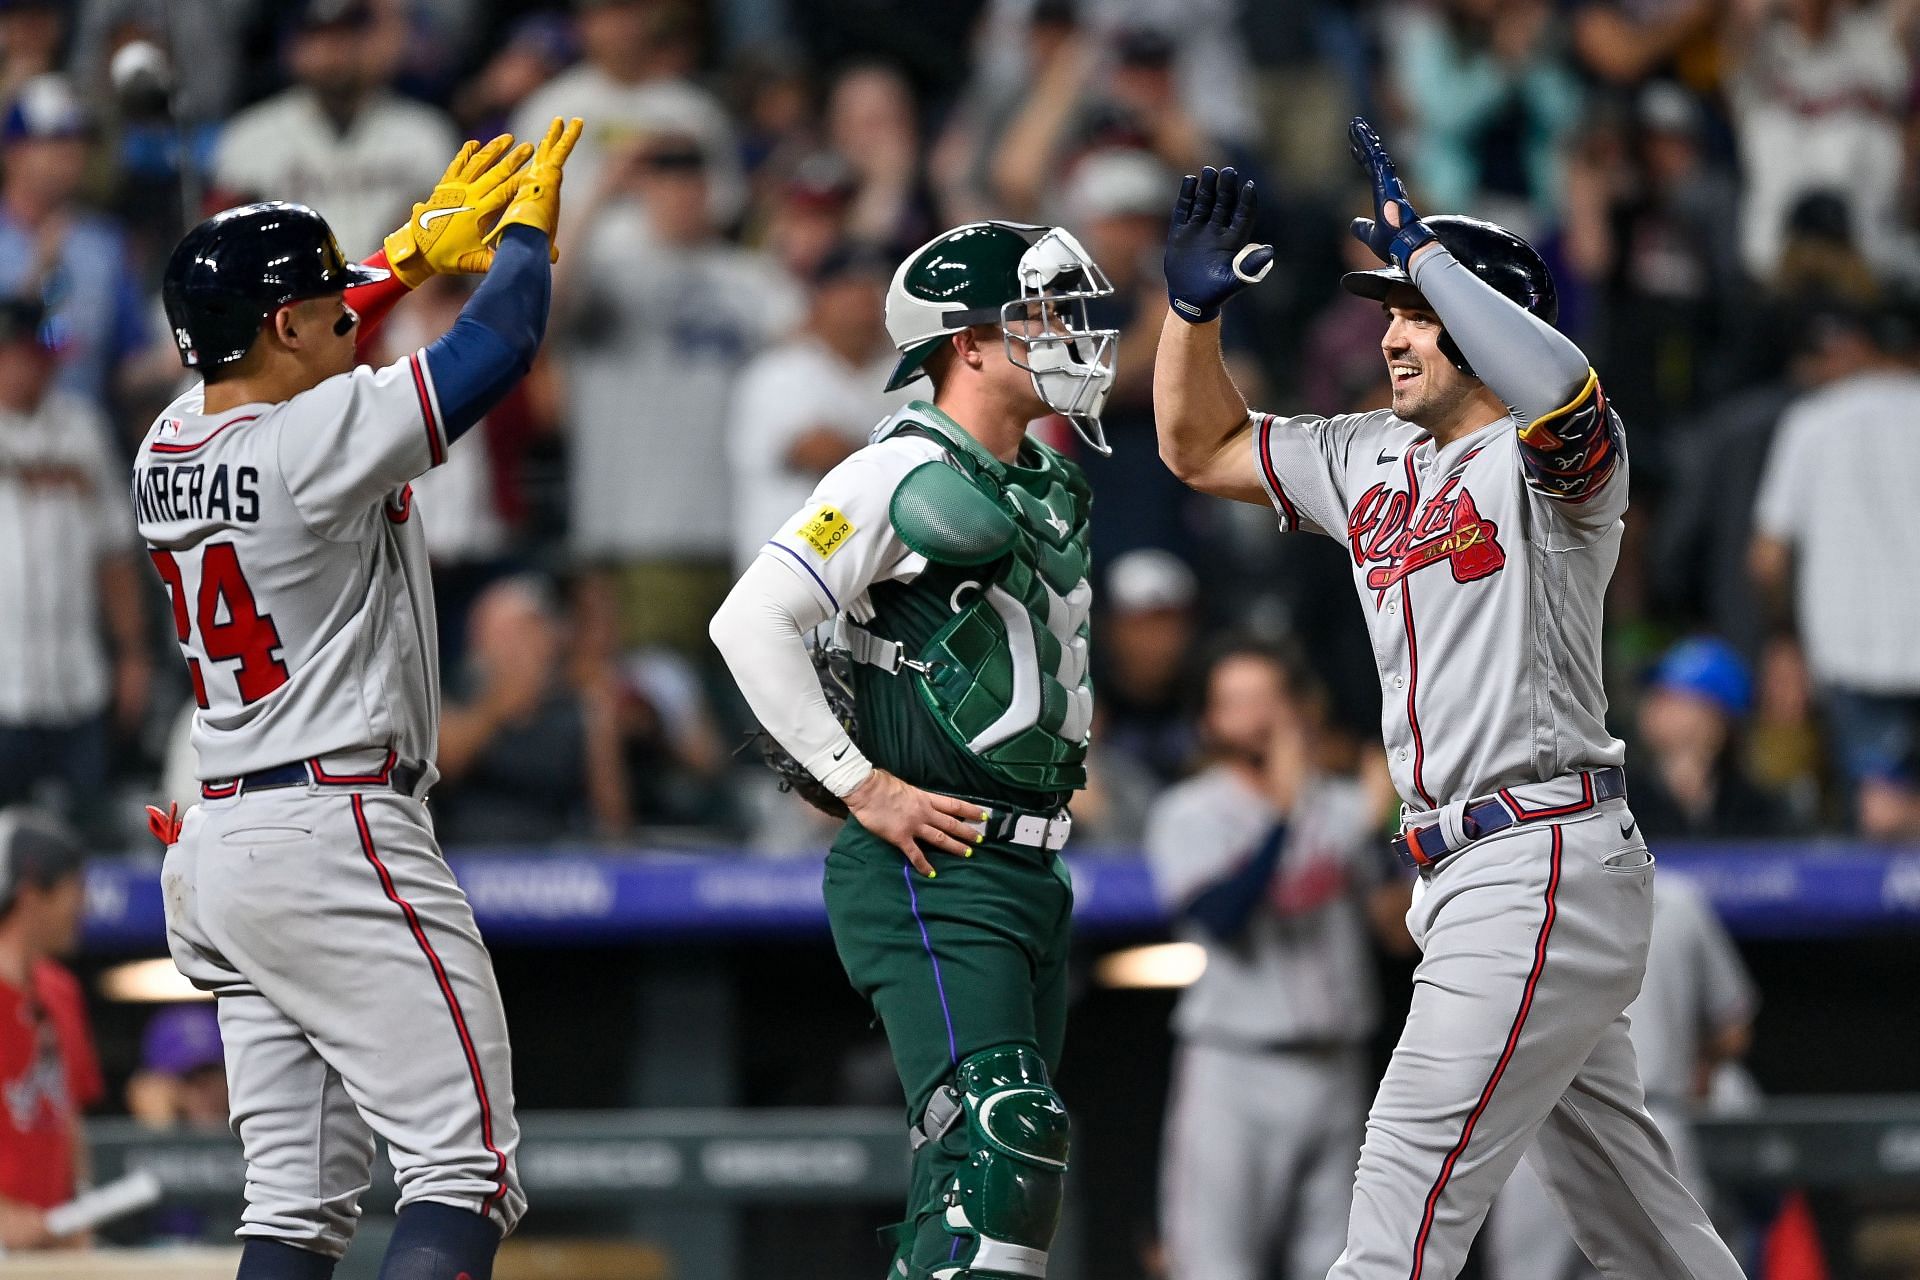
x=429, y=408
x=832, y=601
x=1269, y=476
x=1570, y=453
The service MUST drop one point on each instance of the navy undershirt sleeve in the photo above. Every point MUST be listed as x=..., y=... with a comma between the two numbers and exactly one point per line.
x=1224, y=907
x=492, y=345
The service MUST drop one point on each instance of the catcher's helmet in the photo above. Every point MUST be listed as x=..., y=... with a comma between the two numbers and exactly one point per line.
x=1512, y=266
x=231, y=272
x=1034, y=283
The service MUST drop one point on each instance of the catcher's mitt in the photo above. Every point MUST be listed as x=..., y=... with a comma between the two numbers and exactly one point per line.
x=831, y=666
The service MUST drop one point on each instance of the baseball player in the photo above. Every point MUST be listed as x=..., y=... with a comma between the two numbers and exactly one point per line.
x=306, y=890
x=1693, y=1013
x=1271, y=863
x=952, y=552
x=1482, y=513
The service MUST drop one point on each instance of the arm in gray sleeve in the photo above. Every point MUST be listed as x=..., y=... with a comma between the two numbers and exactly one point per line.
x=1533, y=367
x=1571, y=440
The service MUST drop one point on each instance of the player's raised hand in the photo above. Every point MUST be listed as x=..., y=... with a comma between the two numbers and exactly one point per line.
x=908, y=818
x=1209, y=255
x=1395, y=230
x=536, y=198
x=445, y=233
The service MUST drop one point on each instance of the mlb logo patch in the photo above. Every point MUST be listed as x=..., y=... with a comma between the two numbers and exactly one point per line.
x=169, y=428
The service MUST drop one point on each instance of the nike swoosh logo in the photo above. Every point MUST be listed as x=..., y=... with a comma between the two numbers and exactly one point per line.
x=1626, y=828
x=1386, y=457
x=428, y=217
x=842, y=751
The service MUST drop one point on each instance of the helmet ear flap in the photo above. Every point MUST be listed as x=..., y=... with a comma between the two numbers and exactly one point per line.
x=1451, y=350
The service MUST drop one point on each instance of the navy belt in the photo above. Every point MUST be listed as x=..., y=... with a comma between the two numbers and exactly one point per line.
x=1424, y=847
x=404, y=778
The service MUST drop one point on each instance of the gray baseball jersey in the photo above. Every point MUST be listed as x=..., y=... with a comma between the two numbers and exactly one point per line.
x=1303, y=972
x=355, y=994
x=297, y=571
x=1482, y=594
x=1268, y=1097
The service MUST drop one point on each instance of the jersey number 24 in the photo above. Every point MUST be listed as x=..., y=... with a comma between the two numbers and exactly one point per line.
x=244, y=633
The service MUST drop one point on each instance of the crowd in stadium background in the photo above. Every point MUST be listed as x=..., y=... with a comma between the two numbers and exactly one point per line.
x=1724, y=188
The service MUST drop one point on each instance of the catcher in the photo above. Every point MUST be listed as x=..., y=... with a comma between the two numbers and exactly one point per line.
x=952, y=553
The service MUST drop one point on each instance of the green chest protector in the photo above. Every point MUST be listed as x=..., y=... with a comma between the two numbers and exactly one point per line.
x=1004, y=671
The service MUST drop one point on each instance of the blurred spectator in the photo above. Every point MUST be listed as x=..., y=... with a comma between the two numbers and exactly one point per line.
x=1205, y=45
x=1785, y=752
x=203, y=44
x=870, y=124
x=339, y=139
x=1693, y=781
x=1273, y=864
x=31, y=35
x=1117, y=202
x=523, y=754
x=1646, y=219
x=1819, y=95
x=634, y=83
x=52, y=247
x=539, y=47
x=66, y=568
x=181, y=1082
x=807, y=215
x=1089, y=95
x=1110, y=812
x=467, y=533
x=676, y=763
x=1692, y=1019
x=802, y=407
x=1341, y=370
x=658, y=316
x=1834, y=517
x=49, y=1073
x=1625, y=42
x=1486, y=82
x=1144, y=658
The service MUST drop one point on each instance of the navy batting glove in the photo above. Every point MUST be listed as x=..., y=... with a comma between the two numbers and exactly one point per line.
x=1208, y=256
x=1389, y=244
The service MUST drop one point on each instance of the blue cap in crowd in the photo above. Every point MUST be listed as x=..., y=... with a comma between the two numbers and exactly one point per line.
x=181, y=1039
x=1707, y=668
x=46, y=107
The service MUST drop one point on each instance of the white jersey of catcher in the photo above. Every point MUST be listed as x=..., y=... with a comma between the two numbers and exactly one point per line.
x=1482, y=593
x=297, y=568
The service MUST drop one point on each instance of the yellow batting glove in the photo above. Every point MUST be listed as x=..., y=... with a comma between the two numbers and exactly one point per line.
x=536, y=199
x=446, y=234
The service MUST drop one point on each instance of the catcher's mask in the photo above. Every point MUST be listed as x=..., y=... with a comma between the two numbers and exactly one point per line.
x=1034, y=283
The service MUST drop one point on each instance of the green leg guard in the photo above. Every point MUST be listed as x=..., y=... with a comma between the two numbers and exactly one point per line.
x=1003, y=1204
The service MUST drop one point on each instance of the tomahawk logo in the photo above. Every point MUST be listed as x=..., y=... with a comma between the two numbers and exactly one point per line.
x=1382, y=532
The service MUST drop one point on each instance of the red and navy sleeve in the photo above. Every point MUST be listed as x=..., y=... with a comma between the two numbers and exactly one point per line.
x=1572, y=454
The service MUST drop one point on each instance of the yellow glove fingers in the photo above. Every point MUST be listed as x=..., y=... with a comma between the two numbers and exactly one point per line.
x=499, y=174
x=454, y=170
x=558, y=149
x=480, y=159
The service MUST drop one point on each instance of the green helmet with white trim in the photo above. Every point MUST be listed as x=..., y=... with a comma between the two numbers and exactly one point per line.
x=1034, y=284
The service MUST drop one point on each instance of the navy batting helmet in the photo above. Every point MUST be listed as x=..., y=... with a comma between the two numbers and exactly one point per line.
x=1512, y=266
x=234, y=270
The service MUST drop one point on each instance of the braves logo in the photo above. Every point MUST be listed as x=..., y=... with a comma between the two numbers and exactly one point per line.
x=1384, y=531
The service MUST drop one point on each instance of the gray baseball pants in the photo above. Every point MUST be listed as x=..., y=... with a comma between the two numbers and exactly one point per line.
x=1533, y=942
x=355, y=998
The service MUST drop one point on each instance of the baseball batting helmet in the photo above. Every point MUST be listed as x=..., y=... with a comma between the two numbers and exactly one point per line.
x=1512, y=266
x=231, y=272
